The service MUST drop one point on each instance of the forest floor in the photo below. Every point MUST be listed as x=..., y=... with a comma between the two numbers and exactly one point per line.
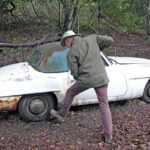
x=82, y=129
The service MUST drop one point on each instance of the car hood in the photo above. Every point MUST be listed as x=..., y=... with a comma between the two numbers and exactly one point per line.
x=129, y=60
x=14, y=71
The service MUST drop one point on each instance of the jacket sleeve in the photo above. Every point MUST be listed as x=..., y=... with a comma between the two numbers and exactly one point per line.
x=73, y=64
x=104, y=41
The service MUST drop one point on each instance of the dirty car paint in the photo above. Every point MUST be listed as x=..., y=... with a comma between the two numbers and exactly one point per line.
x=9, y=103
x=13, y=71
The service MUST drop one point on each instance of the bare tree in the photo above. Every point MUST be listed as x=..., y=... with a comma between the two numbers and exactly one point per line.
x=148, y=17
x=70, y=8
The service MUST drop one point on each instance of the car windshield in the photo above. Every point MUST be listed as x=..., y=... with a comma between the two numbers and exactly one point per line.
x=50, y=58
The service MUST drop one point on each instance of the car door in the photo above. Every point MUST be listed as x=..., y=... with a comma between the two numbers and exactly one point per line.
x=117, y=83
x=116, y=87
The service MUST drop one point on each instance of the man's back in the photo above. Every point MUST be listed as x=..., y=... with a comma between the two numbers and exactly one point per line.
x=91, y=70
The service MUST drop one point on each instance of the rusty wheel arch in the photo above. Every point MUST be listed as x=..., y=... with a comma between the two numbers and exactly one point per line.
x=55, y=99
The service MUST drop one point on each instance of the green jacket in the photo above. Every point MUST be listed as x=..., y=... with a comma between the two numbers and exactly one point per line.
x=85, y=61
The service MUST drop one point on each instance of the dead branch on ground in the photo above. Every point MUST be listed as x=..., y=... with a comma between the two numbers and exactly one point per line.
x=44, y=40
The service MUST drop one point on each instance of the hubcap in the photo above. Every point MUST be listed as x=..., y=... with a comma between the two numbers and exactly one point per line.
x=36, y=106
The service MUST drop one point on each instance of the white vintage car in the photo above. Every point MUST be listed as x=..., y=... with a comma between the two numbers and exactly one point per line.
x=36, y=86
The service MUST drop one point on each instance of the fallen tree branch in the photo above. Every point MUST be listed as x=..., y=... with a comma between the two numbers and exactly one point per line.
x=30, y=44
x=126, y=44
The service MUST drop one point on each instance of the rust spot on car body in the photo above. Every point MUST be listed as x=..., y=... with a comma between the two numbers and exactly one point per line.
x=9, y=103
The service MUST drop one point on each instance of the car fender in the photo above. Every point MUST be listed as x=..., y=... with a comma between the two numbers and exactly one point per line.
x=137, y=77
x=29, y=86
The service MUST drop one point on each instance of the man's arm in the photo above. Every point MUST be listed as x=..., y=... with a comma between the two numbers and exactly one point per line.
x=73, y=65
x=104, y=41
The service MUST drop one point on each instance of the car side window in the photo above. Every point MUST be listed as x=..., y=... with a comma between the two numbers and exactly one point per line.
x=105, y=59
x=36, y=58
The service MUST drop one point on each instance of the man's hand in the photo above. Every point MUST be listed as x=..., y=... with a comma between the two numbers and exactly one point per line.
x=104, y=41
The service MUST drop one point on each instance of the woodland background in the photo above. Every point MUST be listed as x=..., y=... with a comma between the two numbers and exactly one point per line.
x=24, y=24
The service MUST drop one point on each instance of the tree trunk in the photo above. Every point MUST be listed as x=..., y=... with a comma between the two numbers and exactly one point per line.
x=70, y=12
x=148, y=18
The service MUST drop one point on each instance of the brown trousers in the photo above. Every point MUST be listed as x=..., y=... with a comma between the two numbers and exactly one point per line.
x=101, y=92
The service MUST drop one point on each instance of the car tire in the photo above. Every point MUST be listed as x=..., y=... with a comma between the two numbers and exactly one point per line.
x=146, y=94
x=35, y=107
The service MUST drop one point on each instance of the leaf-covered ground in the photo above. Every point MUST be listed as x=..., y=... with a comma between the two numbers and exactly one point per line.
x=81, y=131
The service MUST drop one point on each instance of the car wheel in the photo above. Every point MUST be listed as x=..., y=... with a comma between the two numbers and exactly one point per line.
x=35, y=107
x=146, y=94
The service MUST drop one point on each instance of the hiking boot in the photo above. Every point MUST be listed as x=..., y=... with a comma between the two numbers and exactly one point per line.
x=56, y=115
x=108, y=140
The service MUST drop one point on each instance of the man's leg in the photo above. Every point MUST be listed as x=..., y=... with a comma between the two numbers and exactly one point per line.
x=74, y=90
x=105, y=110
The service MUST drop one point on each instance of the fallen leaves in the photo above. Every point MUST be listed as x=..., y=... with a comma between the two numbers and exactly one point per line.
x=81, y=131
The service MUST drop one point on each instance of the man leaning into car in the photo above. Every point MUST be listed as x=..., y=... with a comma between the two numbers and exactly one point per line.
x=88, y=70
